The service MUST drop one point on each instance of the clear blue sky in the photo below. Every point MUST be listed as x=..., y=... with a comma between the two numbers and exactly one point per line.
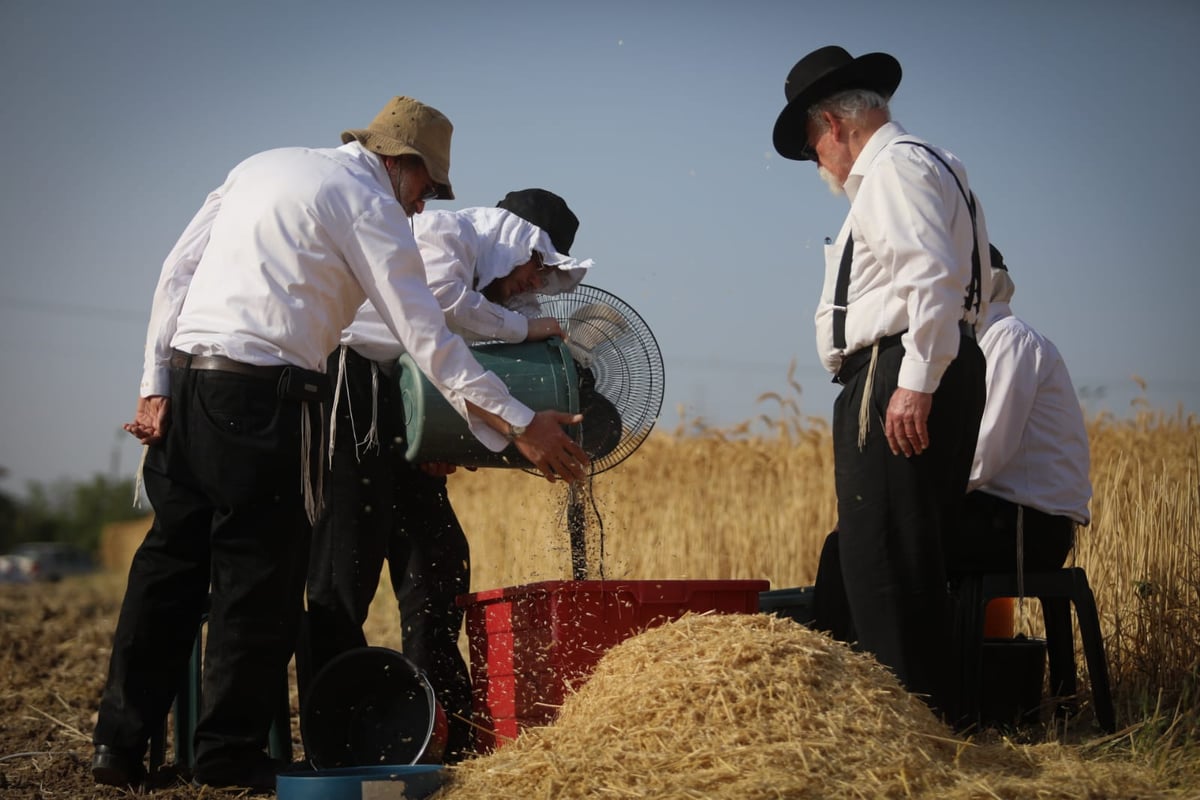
x=1076, y=120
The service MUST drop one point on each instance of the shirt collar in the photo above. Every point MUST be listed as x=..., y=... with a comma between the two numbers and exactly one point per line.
x=371, y=160
x=997, y=311
x=879, y=139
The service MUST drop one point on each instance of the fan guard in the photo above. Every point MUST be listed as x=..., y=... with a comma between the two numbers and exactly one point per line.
x=611, y=344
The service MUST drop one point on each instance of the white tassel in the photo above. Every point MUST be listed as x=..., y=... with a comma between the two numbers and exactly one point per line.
x=139, y=481
x=864, y=410
x=314, y=501
x=1020, y=568
x=372, y=437
x=337, y=393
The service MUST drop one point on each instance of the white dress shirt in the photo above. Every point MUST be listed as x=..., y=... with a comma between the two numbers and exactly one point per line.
x=912, y=258
x=1033, y=446
x=275, y=263
x=463, y=252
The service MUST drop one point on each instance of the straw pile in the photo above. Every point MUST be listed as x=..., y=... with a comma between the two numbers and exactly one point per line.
x=752, y=706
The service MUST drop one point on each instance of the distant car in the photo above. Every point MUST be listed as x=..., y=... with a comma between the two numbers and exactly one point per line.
x=52, y=561
x=15, y=569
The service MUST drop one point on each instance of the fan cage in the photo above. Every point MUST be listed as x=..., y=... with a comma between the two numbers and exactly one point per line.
x=612, y=340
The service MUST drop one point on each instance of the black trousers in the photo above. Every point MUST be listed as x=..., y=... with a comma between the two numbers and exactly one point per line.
x=894, y=513
x=229, y=519
x=378, y=505
x=988, y=539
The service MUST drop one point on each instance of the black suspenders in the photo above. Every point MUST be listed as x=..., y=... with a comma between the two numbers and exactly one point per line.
x=841, y=289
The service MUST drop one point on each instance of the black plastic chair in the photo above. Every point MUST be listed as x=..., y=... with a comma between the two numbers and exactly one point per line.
x=1057, y=590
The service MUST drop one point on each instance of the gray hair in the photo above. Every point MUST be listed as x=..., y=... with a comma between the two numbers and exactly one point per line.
x=850, y=104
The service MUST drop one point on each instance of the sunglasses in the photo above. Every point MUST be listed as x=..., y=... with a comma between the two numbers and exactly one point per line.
x=431, y=193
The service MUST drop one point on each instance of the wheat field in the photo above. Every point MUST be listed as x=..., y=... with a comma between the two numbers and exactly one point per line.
x=756, y=500
x=708, y=504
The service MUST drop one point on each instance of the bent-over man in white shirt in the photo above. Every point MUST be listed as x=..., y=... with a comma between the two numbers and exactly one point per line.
x=1029, y=485
x=485, y=266
x=250, y=302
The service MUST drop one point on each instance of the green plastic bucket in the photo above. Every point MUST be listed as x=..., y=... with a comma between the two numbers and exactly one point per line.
x=540, y=374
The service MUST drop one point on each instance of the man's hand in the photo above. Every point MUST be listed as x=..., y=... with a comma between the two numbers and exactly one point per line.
x=542, y=328
x=150, y=419
x=905, y=428
x=548, y=447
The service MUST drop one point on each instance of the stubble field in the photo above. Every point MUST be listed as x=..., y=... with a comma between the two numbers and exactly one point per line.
x=721, y=504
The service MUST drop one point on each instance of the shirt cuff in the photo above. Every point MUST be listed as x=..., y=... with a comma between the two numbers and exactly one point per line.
x=492, y=439
x=919, y=376
x=156, y=382
x=515, y=327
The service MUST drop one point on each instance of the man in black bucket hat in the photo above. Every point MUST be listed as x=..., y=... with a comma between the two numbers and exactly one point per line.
x=896, y=326
x=249, y=304
x=485, y=266
x=546, y=210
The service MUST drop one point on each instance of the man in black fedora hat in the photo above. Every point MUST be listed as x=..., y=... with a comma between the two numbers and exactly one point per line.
x=485, y=266
x=896, y=326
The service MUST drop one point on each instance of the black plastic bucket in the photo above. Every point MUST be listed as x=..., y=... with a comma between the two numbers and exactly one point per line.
x=371, y=706
x=1013, y=673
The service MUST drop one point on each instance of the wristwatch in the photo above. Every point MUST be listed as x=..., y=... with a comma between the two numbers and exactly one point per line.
x=515, y=431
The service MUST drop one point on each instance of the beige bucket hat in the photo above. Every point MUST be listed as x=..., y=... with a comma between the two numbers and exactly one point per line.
x=409, y=127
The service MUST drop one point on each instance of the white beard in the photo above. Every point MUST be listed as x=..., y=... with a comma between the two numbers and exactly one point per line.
x=835, y=186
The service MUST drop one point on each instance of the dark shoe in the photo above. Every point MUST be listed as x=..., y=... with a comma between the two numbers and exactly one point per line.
x=112, y=766
x=258, y=774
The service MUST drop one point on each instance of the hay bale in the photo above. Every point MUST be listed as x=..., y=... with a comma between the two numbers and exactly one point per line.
x=119, y=541
x=747, y=706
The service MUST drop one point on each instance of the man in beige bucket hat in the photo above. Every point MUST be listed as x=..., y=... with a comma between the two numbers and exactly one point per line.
x=233, y=400
x=408, y=127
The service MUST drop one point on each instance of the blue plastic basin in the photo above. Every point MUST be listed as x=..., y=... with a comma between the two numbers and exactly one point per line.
x=345, y=783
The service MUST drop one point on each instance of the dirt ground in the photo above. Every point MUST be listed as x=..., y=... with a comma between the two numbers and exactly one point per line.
x=54, y=647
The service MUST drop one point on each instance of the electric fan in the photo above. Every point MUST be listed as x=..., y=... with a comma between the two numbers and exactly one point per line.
x=621, y=378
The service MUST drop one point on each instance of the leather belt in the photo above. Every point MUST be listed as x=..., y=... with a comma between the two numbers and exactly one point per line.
x=182, y=360
x=854, y=362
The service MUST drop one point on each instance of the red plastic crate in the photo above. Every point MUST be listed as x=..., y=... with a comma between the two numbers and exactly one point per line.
x=529, y=645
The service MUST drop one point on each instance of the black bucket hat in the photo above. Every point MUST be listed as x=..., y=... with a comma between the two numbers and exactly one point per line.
x=546, y=210
x=819, y=75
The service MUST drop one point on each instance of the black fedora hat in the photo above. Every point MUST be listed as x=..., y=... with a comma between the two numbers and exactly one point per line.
x=546, y=210
x=997, y=257
x=818, y=75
